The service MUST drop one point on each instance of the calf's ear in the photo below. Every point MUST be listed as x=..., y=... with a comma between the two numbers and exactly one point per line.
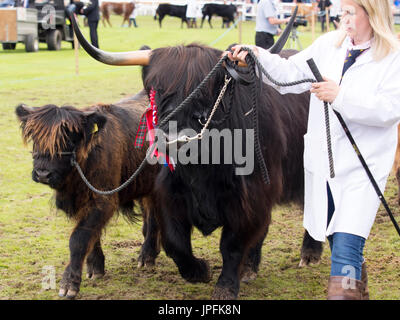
x=94, y=123
x=23, y=112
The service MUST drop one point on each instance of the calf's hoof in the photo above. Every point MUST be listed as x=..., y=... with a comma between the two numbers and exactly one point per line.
x=69, y=294
x=146, y=261
x=69, y=285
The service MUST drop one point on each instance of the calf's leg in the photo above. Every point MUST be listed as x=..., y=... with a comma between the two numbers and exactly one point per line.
x=151, y=246
x=251, y=263
x=84, y=237
x=95, y=262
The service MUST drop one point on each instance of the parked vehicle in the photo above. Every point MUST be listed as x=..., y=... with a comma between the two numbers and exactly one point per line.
x=45, y=22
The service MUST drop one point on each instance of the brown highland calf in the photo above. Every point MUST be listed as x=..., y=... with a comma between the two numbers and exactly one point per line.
x=102, y=138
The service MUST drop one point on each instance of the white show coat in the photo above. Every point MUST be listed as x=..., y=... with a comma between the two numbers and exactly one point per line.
x=369, y=102
x=191, y=11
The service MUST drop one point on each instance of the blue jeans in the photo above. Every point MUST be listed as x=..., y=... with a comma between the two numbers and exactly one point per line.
x=346, y=249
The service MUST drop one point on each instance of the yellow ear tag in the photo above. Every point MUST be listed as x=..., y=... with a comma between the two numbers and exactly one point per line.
x=95, y=128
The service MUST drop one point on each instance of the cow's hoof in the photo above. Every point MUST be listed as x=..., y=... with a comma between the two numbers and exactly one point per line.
x=223, y=293
x=146, y=261
x=62, y=293
x=308, y=259
x=201, y=272
x=94, y=276
x=248, y=274
x=69, y=294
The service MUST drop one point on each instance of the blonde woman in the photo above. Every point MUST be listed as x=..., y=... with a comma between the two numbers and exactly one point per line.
x=360, y=63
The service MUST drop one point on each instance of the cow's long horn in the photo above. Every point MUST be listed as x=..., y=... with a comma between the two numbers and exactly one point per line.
x=139, y=57
x=278, y=46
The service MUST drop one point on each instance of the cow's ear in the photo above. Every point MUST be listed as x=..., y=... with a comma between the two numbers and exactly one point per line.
x=94, y=123
x=23, y=112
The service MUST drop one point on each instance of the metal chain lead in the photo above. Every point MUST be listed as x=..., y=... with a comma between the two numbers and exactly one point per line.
x=199, y=136
x=127, y=182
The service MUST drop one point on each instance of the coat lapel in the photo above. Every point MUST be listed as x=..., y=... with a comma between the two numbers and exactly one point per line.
x=364, y=58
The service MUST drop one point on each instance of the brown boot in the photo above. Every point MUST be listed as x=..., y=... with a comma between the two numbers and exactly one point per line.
x=364, y=279
x=344, y=288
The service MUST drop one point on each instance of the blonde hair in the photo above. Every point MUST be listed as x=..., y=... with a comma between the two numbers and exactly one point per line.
x=382, y=23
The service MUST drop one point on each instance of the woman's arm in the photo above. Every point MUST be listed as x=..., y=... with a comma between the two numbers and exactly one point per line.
x=281, y=69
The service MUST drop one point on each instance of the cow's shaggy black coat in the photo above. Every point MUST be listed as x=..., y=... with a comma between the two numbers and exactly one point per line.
x=166, y=9
x=226, y=11
x=103, y=138
x=210, y=196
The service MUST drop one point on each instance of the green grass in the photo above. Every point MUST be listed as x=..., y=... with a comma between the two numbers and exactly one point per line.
x=34, y=235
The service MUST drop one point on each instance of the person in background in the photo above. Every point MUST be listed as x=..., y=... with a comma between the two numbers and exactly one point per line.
x=132, y=17
x=334, y=13
x=360, y=65
x=323, y=5
x=267, y=23
x=191, y=13
x=93, y=15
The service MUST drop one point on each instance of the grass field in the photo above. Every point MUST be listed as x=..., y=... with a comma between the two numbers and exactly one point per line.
x=34, y=236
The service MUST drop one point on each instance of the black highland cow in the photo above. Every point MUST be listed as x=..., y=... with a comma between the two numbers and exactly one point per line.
x=209, y=196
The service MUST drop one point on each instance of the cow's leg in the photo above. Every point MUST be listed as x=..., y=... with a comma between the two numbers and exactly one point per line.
x=82, y=240
x=251, y=263
x=151, y=246
x=202, y=21
x=233, y=250
x=311, y=250
x=398, y=184
x=95, y=262
x=176, y=241
x=209, y=21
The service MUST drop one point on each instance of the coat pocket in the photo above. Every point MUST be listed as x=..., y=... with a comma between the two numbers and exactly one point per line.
x=315, y=154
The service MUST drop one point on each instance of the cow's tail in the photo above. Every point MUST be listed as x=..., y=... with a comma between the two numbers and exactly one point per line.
x=155, y=16
x=133, y=211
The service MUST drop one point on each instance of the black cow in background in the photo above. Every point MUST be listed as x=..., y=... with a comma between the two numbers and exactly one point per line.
x=226, y=11
x=172, y=10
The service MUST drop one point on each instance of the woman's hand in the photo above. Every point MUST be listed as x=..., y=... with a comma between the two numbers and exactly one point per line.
x=238, y=55
x=326, y=90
